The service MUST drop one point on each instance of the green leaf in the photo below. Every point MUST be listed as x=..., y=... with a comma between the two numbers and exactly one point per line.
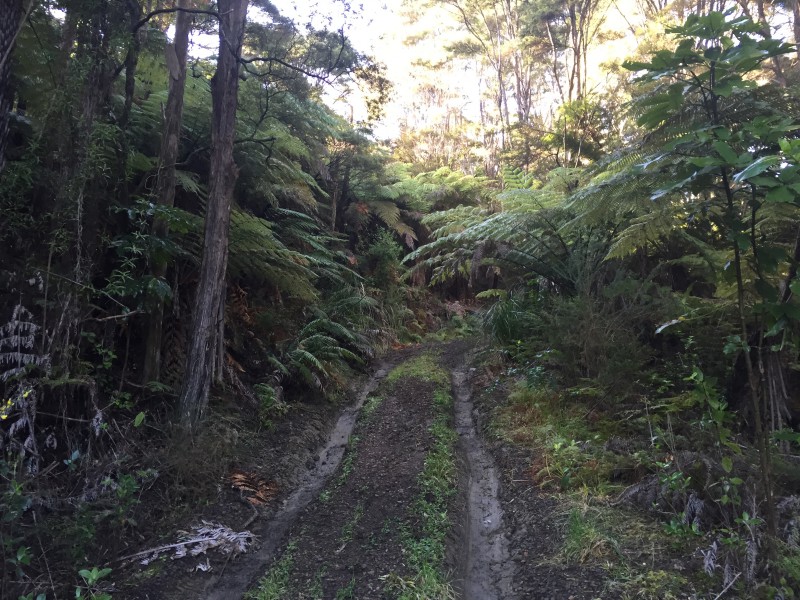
x=780, y=194
x=786, y=435
x=756, y=168
x=139, y=419
x=733, y=345
x=766, y=291
x=791, y=310
x=727, y=464
x=726, y=152
x=764, y=181
x=727, y=87
x=741, y=239
x=771, y=257
x=492, y=293
x=779, y=326
x=704, y=161
x=722, y=133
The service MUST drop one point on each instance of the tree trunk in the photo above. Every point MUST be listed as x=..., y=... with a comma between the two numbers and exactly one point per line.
x=796, y=25
x=165, y=184
x=131, y=63
x=206, y=327
x=10, y=16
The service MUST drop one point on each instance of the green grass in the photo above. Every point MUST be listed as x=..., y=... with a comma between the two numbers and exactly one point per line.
x=349, y=527
x=653, y=585
x=275, y=584
x=586, y=538
x=315, y=591
x=569, y=449
x=348, y=592
x=567, y=430
x=425, y=551
x=422, y=367
x=349, y=460
x=370, y=406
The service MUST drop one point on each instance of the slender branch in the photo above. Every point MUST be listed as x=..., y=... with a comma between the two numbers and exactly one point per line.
x=164, y=11
x=116, y=317
x=41, y=45
x=727, y=587
x=268, y=59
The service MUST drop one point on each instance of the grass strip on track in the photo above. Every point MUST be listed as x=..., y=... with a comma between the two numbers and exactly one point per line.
x=425, y=550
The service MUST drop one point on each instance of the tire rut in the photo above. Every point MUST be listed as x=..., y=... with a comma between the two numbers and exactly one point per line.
x=272, y=536
x=486, y=570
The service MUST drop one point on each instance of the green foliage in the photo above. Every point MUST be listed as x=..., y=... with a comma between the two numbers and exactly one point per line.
x=383, y=258
x=653, y=585
x=520, y=237
x=91, y=588
x=347, y=592
x=319, y=351
x=275, y=584
x=271, y=407
x=349, y=527
x=259, y=257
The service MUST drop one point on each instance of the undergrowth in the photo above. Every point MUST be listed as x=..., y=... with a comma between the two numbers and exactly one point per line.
x=654, y=491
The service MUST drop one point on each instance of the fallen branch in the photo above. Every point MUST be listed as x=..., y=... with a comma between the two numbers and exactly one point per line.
x=207, y=536
x=727, y=587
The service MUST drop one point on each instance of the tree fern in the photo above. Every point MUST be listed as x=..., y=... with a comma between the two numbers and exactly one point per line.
x=17, y=345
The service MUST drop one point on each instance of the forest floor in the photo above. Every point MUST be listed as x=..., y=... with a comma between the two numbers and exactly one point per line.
x=396, y=495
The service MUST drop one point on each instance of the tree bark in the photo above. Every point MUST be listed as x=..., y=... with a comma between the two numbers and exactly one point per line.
x=165, y=184
x=206, y=335
x=796, y=24
x=10, y=16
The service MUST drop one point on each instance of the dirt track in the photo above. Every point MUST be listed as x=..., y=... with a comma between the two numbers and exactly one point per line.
x=340, y=531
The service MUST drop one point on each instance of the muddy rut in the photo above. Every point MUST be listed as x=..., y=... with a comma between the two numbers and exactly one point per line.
x=486, y=569
x=346, y=529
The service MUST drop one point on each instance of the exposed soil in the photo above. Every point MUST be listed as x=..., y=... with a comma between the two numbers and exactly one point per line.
x=350, y=538
x=348, y=499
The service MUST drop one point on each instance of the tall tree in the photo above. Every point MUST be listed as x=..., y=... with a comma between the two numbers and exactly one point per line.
x=205, y=343
x=10, y=21
x=176, y=54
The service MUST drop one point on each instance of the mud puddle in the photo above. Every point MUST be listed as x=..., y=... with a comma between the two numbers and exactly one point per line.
x=487, y=571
